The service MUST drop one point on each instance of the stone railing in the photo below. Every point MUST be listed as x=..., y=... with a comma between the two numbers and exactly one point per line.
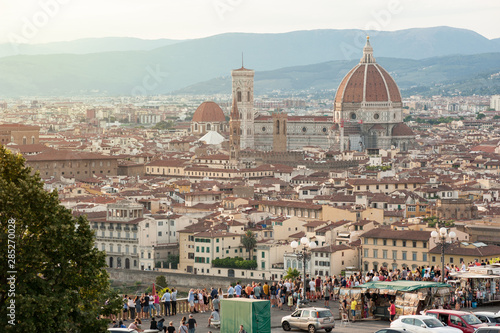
x=183, y=305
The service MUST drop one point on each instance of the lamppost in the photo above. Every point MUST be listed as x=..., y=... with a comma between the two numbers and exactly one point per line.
x=304, y=254
x=443, y=238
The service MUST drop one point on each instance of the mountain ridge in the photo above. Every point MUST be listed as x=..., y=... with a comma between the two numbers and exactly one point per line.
x=172, y=67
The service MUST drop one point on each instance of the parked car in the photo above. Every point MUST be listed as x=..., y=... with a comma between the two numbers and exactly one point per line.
x=310, y=319
x=122, y=330
x=489, y=318
x=421, y=323
x=130, y=330
x=467, y=322
x=490, y=329
x=392, y=330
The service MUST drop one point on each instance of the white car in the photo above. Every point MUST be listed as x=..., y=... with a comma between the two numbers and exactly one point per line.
x=489, y=318
x=421, y=323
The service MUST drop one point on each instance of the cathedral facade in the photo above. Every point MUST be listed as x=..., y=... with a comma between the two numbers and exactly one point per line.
x=367, y=115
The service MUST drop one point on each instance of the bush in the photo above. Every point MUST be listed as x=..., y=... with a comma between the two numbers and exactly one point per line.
x=236, y=262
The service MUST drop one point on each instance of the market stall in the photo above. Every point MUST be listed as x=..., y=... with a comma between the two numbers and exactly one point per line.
x=410, y=297
x=484, y=281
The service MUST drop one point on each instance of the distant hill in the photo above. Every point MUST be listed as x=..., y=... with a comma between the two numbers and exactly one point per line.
x=184, y=63
x=438, y=74
x=85, y=45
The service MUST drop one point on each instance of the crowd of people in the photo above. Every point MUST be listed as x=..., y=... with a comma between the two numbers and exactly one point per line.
x=285, y=294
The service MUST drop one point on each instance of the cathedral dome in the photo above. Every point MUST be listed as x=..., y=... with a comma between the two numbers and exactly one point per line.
x=367, y=82
x=402, y=129
x=209, y=112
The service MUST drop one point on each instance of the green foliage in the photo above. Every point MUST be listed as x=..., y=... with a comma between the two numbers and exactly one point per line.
x=496, y=117
x=378, y=167
x=249, y=241
x=161, y=281
x=440, y=120
x=61, y=281
x=164, y=125
x=291, y=274
x=434, y=221
x=480, y=116
x=236, y=262
x=173, y=260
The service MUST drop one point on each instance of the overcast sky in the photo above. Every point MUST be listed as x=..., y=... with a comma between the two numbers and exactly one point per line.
x=40, y=21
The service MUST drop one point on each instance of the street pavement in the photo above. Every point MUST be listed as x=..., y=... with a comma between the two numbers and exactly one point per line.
x=363, y=326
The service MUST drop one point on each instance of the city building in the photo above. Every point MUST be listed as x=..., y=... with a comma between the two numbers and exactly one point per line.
x=19, y=134
x=394, y=249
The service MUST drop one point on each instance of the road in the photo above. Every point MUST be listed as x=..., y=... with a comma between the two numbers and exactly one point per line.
x=363, y=326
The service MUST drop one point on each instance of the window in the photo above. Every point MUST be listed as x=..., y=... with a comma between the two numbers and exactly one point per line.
x=384, y=241
x=394, y=243
x=160, y=223
x=263, y=265
x=414, y=244
x=394, y=254
x=197, y=249
x=366, y=241
x=404, y=243
x=425, y=245
x=451, y=260
x=384, y=254
x=404, y=255
x=263, y=254
x=375, y=241
x=414, y=256
x=159, y=233
x=366, y=253
x=375, y=253
x=424, y=256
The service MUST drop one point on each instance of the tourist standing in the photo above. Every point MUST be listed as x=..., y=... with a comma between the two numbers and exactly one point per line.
x=166, y=299
x=173, y=301
x=191, y=324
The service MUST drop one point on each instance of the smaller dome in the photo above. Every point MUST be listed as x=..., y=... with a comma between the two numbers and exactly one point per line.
x=402, y=129
x=209, y=112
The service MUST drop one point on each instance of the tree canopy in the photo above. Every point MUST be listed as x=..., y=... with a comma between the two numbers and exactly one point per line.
x=61, y=284
x=249, y=241
x=291, y=273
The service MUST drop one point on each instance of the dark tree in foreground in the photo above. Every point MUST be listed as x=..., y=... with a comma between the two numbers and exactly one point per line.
x=61, y=284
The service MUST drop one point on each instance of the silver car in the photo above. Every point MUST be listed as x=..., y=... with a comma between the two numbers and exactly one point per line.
x=310, y=319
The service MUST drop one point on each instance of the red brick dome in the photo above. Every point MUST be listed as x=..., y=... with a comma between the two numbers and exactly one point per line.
x=367, y=82
x=208, y=112
x=402, y=129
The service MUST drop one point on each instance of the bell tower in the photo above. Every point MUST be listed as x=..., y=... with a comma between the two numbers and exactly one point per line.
x=242, y=90
x=234, y=133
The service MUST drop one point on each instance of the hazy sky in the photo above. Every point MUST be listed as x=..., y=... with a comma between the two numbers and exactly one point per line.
x=40, y=21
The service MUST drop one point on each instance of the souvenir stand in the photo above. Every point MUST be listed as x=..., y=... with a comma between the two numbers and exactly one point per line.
x=483, y=280
x=410, y=297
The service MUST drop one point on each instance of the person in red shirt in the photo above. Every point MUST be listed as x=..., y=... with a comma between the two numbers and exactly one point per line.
x=318, y=287
x=392, y=311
